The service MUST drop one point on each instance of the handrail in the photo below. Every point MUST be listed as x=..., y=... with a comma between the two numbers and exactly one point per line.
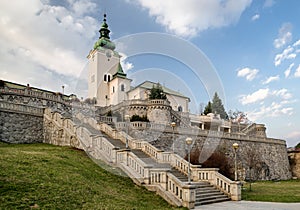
x=21, y=108
x=160, y=179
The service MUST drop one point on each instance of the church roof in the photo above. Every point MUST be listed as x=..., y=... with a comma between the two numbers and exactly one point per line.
x=149, y=85
x=120, y=72
x=104, y=39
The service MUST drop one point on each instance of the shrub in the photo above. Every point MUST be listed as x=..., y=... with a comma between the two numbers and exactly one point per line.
x=135, y=118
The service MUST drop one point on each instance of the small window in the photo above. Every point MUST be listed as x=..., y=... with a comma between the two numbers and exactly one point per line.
x=113, y=89
x=107, y=77
x=122, y=87
x=93, y=78
x=179, y=108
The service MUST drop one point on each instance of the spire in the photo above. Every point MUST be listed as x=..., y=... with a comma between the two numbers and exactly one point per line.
x=104, y=31
x=104, y=39
x=120, y=72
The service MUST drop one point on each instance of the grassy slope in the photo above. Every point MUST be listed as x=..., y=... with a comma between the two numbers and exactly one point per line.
x=279, y=191
x=51, y=177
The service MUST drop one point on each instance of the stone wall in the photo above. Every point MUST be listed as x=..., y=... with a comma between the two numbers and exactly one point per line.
x=20, y=128
x=294, y=157
x=259, y=160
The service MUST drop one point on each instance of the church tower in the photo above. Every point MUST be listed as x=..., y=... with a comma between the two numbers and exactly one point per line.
x=107, y=82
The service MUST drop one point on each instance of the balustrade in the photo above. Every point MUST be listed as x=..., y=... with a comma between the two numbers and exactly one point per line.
x=161, y=179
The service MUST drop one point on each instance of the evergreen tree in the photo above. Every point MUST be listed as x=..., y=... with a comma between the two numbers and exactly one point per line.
x=217, y=107
x=157, y=92
x=207, y=109
x=297, y=146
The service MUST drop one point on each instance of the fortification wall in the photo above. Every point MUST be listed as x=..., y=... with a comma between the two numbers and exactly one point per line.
x=295, y=163
x=259, y=159
x=20, y=127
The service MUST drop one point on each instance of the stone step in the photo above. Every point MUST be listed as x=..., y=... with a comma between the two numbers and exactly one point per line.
x=210, y=201
x=210, y=196
x=207, y=194
x=206, y=188
x=148, y=160
x=182, y=177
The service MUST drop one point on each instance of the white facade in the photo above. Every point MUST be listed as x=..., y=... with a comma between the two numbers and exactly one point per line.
x=177, y=101
x=108, y=84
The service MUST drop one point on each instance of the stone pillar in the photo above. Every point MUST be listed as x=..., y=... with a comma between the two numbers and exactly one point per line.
x=235, y=190
x=189, y=196
x=202, y=126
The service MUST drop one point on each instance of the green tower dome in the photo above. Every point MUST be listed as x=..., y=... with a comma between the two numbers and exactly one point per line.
x=104, y=39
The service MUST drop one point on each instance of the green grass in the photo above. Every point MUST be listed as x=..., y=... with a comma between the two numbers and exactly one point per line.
x=50, y=177
x=273, y=191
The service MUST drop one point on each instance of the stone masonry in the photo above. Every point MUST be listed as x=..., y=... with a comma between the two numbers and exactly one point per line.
x=20, y=128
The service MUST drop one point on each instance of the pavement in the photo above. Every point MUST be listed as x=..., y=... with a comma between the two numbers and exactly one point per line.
x=250, y=205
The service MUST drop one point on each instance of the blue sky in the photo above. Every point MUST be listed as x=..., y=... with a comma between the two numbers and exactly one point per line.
x=253, y=47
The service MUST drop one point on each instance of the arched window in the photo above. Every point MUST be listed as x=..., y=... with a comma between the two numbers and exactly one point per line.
x=122, y=87
x=179, y=108
x=107, y=77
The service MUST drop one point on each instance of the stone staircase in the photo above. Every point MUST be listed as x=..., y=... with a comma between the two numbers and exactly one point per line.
x=182, y=177
x=207, y=194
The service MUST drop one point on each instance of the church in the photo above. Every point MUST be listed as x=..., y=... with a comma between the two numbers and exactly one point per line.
x=108, y=83
x=110, y=86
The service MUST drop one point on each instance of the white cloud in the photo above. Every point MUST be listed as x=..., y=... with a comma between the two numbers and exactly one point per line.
x=248, y=73
x=297, y=43
x=125, y=64
x=282, y=93
x=273, y=110
x=269, y=3
x=284, y=36
x=287, y=72
x=262, y=94
x=189, y=17
x=45, y=39
x=287, y=53
x=297, y=72
x=255, y=17
x=257, y=96
x=271, y=79
x=82, y=7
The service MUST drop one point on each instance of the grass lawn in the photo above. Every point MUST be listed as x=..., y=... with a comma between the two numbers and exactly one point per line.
x=44, y=176
x=273, y=191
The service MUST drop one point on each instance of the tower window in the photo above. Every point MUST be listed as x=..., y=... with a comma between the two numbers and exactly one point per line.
x=179, y=108
x=93, y=78
x=107, y=77
x=122, y=87
x=113, y=89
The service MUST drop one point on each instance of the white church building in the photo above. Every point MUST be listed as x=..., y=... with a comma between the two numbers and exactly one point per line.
x=110, y=86
x=108, y=83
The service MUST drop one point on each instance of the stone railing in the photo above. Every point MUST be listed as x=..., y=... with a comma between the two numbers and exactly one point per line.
x=134, y=167
x=56, y=97
x=195, y=131
x=159, y=102
x=137, y=102
x=108, y=120
x=158, y=179
x=229, y=187
x=21, y=108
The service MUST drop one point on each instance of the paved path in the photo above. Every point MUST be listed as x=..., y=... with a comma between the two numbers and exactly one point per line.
x=250, y=205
